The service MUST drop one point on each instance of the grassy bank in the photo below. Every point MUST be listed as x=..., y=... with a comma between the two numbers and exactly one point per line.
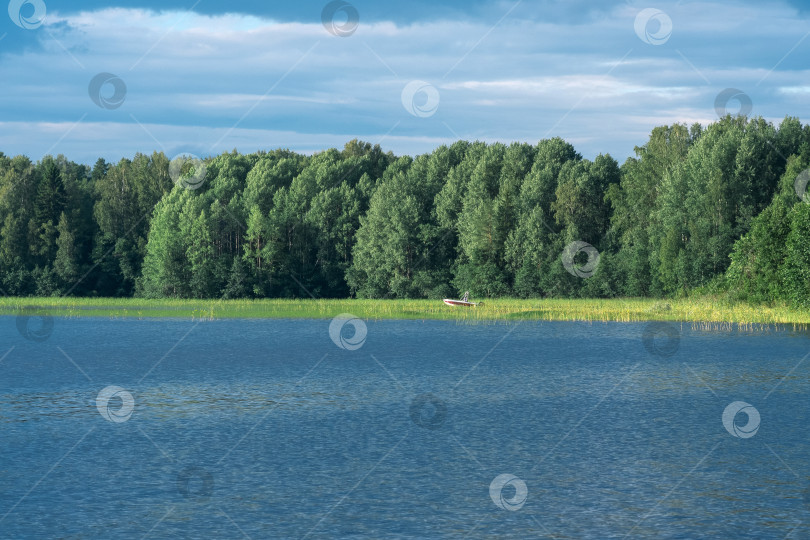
x=697, y=310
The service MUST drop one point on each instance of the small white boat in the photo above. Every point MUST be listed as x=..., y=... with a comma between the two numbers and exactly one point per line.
x=465, y=301
x=451, y=302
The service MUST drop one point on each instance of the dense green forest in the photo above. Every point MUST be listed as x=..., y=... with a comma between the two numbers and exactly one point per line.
x=710, y=209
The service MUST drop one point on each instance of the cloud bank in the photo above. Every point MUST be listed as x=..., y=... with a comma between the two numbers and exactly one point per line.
x=516, y=71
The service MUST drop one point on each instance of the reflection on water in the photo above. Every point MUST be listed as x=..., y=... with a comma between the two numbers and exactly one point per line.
x=173, y=401
x=268, y=429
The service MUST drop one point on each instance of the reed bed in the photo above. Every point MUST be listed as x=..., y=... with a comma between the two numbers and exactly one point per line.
x=702, y=312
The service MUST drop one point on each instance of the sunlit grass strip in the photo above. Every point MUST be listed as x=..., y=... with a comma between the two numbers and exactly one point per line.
x=698, y=310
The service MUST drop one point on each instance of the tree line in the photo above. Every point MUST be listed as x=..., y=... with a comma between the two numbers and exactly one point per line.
x=714, y=209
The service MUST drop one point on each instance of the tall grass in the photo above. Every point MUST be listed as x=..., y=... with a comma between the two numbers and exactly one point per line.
x=708, y=311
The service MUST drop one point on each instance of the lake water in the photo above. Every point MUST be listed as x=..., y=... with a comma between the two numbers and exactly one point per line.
x=401, y=429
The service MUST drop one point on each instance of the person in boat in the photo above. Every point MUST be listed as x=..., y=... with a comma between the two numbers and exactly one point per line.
x=466, y=297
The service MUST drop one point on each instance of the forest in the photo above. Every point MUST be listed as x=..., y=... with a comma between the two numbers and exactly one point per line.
x=699, y=210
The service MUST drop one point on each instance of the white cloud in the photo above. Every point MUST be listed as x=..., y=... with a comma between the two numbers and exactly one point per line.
x=87, y=141
x=795, y=90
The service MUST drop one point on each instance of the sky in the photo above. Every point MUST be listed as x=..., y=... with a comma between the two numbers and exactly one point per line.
x=110, y=79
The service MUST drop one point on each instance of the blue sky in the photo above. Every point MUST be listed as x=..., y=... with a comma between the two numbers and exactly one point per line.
x=208, y=77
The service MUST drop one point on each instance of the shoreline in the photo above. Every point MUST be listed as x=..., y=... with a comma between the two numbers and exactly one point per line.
x=705, y=310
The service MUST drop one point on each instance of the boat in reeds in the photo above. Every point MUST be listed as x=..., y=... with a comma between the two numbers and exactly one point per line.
x=465, y=301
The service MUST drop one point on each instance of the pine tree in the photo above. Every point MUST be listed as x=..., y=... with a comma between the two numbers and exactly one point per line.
x=238, y=285
x=65, y=264
x=49, y=204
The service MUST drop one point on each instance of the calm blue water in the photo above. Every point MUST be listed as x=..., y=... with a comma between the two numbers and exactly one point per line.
x=268, y=429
